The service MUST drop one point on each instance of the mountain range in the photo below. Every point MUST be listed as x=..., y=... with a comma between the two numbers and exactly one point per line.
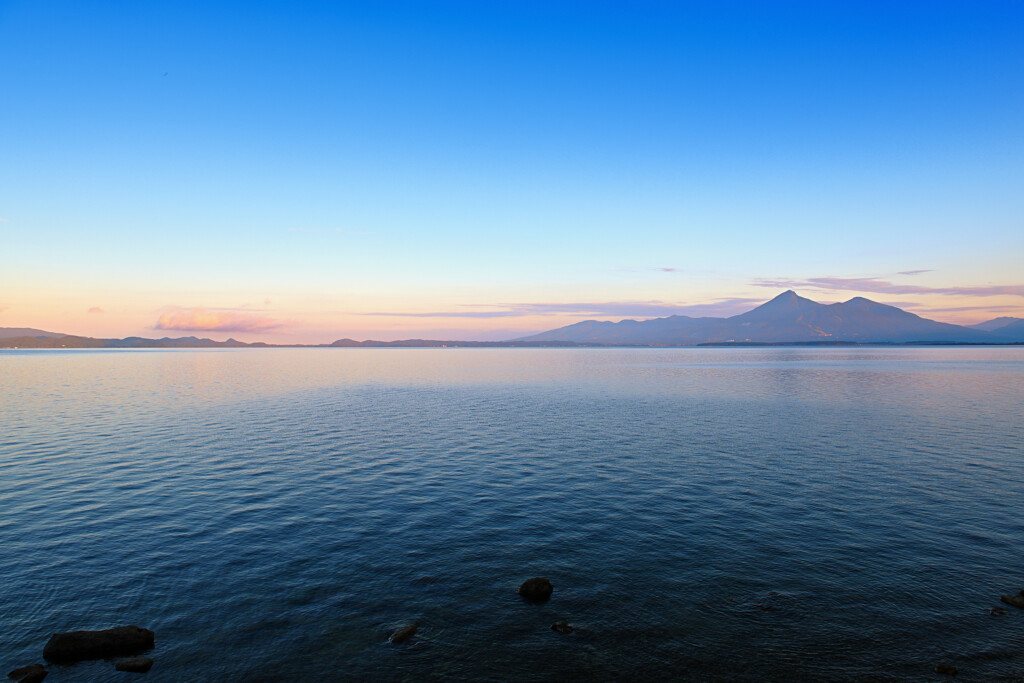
x=790, y=319
x=40, y=339
x=786, y=319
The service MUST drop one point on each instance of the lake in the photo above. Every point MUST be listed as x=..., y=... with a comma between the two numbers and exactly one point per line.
x=704, y=514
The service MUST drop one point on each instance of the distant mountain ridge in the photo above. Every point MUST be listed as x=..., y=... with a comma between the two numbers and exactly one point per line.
x=51, y=340
x=997, y=323
x=786, y=319
x=11, y=332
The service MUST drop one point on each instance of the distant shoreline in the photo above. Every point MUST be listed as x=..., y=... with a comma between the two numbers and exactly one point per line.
x=788, y=320
x=50, y=344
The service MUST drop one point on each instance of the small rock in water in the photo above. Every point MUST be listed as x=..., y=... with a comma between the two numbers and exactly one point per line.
x=947, y=669
x=1014, y=600
x=139, y=665
x=112, y=642
x=997, y=611
x=403, y=634
x=536, y=589
x=561, y=627
x=33, y=673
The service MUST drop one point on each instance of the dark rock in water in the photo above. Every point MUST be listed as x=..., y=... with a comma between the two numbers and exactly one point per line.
x=139, y=665
x=997, y=611
x=403, y=634
x=537, y=589
x=33, y=673
x=1014, y=600
x=947, y=669
x=561, y=627
x=112, y=642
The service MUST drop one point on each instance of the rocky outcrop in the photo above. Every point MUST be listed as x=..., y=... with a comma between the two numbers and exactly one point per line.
x=139, y=665
x=112, y=642
x=537, y=589
x=561, y=627
x=33, y=673
x=1014, y=600
x=403, y=634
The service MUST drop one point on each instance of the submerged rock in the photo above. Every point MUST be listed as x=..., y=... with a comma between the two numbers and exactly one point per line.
x=111, y=642
x=947, y=669
x=403, y=634
x=537, y=589
x=139, y=665
x=33, y=673
x=997, y=611
x=561, y=627
x=1014, y=600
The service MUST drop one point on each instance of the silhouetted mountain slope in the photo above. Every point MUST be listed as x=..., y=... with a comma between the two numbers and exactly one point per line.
x=788, y=318
x=1013, y=332
x=673, y=330
x=996, y=323
x=10, y=332
x=444, y=344
x=75, y=342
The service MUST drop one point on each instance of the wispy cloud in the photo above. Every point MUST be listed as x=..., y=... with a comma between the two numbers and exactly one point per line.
x=655, y=269
x=962, y=309
x=96, y=309
x=4, y=220
x=450, y=314
x=215, y=320
x=914, y=272
x=604, y=309
x=873, y=284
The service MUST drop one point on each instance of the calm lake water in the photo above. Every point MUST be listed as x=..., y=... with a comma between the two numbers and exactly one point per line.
x=705, y=514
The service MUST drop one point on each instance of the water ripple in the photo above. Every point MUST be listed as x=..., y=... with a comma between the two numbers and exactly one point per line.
x=736, y=514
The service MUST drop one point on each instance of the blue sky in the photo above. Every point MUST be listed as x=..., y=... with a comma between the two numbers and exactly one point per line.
x=299, y=171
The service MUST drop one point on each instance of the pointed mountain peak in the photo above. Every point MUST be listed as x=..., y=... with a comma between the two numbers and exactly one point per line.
x=791, y=297
x=785, y=304
x=788, y=299
x=788, y=295
x=862, y=301
x=859, y=303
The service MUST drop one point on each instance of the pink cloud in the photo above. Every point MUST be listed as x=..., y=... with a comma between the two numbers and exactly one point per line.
x=206, y=320
x=96, y=309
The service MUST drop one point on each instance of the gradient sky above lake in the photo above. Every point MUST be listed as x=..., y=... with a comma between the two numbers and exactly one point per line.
x=304, y=172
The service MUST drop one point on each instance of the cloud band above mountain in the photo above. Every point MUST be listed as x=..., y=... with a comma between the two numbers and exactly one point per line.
x=639, y=309
x=873, y=284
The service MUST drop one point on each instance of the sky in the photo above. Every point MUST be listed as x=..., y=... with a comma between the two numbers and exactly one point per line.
x=302, y=172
